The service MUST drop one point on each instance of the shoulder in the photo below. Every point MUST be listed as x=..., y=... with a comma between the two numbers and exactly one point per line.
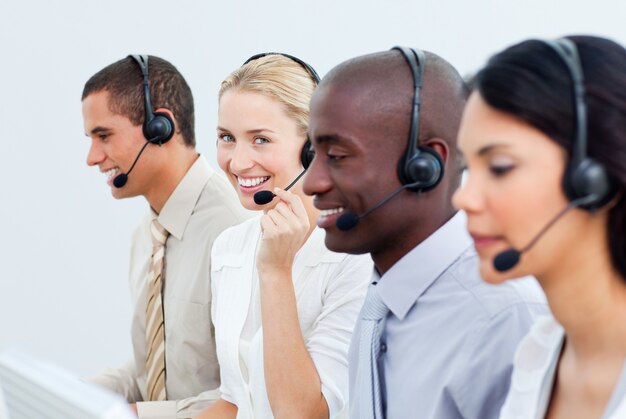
x=491, y=301
x=218, y=199
x=237, y=237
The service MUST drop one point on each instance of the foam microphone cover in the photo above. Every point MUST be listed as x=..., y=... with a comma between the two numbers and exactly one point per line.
x=120, y=180
x=506, y=260
x=347, y=221
x=263, y=197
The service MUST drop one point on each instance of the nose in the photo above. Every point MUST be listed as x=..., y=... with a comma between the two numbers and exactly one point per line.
x=468, y=197
x=96, y=154
x=316, y=180
x=241, y=158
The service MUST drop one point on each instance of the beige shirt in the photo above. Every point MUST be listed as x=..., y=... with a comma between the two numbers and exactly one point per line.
x=201, y=206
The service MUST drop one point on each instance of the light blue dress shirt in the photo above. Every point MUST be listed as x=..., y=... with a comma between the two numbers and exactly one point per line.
x=450, y=338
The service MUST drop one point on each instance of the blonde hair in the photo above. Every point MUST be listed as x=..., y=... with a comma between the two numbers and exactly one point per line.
x=280, y=78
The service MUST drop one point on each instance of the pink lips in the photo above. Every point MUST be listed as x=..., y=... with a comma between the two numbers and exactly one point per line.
x=482, y=242
x=328, y=221
x=252, y=189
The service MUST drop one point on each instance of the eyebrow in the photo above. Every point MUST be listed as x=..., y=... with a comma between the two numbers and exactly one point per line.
x=328, y=139
x=250, y=131
x=490, y=147
x=98, y=130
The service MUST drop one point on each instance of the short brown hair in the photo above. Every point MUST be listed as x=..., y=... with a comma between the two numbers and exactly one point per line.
x=168, y=89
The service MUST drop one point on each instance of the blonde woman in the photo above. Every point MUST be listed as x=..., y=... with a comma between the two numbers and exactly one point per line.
x=284, y=306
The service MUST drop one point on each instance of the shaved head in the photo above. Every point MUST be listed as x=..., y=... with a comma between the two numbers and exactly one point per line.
x=381, y=86
x=359, y=128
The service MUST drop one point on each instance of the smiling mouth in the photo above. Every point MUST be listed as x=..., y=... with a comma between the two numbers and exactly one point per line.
x=329, y=212
x=328, y=217
x=251, y=182
x=111, y=173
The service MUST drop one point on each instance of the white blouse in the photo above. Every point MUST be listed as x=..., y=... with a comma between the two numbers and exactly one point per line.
x=330, y=288
x=534, y=371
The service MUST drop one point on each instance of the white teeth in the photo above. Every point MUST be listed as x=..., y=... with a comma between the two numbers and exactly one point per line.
x=110, y=173
x=327, y=212
x=247, y=182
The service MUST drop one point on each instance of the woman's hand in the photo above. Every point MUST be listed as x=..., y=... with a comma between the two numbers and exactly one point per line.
x=284, y=230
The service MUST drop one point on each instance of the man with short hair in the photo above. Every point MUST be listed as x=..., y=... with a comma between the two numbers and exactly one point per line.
x=174, y=372
x=433, y=340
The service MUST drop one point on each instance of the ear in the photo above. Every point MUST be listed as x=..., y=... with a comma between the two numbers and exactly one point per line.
x=168, y=112
x=171, y=115
x=440, y=146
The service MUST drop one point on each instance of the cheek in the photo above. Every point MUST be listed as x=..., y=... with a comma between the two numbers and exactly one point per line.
x=525, y=207
x=223, y=158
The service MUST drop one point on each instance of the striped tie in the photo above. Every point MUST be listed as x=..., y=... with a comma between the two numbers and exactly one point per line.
x=368, y=381
x=155, y=333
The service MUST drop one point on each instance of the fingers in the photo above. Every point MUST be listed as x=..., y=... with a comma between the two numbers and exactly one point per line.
x=288, y=217
x=293, y=201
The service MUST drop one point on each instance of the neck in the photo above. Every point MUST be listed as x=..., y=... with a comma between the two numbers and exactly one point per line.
x=177, y=164
x=408, y=236
x=588, y=298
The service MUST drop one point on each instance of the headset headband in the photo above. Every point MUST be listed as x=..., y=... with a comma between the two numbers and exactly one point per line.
x=566, y=49
x=306, y=66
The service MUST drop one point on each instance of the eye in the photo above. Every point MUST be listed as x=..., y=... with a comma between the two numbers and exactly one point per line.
x=103, y=137
x=335, y=157
x=260, y=140
x=336, y=154
x=227, y=138
x=499, y=166
x=500, y=170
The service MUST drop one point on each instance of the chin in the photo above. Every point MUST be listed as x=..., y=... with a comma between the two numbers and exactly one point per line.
x=489, y=274
x=341, y=242
x=119, y=193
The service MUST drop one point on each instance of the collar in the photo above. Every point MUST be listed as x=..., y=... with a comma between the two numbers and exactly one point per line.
x=180, y=205
x=402, y=285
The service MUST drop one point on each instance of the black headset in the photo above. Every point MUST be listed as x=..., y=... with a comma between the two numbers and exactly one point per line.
x=158, y=127
x=584, y=177
x=421, y=167
x=307, y=154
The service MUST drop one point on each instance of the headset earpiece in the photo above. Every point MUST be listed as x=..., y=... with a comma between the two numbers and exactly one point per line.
x=158, y=127
x=584, y=177
x=588, y=178
x=424, y=169
x=307, y=154
x=421, y=167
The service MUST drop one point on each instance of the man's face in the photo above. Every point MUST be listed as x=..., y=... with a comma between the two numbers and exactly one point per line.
x=355, y=166
x=115, y=143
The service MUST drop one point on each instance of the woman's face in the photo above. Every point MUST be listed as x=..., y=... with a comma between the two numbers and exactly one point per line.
x=258, y=145
x=513, y=189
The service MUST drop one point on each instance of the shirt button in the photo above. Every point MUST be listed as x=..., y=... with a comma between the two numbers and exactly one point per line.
x=383, y=347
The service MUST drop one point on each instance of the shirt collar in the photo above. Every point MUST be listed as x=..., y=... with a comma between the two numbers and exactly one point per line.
x=178, y=209
x=402, y=285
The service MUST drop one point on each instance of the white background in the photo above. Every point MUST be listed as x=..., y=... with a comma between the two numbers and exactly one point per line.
x=64, y=240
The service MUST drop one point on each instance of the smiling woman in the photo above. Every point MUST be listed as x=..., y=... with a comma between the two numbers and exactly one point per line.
x=256, y=156
x=284, y=306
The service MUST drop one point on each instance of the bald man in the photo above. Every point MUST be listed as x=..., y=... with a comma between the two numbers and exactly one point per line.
x=433, y=340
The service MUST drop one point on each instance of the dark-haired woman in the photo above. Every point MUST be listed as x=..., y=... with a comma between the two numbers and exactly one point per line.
x=544, y=138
